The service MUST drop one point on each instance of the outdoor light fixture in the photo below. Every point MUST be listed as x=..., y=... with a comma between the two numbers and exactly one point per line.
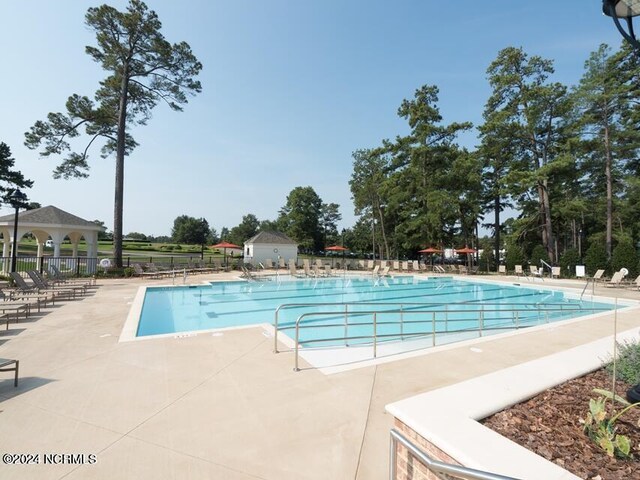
x=626, y=9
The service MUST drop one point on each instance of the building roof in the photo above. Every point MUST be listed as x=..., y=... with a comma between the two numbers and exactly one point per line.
x=50, y=215
x=271, y=238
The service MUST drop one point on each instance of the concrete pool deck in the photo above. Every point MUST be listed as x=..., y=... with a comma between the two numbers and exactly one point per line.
x=212, y=406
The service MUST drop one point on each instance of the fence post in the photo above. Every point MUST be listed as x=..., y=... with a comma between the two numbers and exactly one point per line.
x=77, y=266
x=375, y=335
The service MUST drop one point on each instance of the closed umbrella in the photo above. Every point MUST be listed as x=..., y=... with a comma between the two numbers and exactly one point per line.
x=225, y=245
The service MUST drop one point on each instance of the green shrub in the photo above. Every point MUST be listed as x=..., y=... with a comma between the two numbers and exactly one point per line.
x=595, y=258
x=625, y=256
x=487, y=261
x=538, y=253
x=513, y=256
x=627, y=363
x=568, y=261
x=177, y=247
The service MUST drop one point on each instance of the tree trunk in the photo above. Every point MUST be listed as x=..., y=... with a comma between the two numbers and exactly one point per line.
x=118, y=203
x=550, y=246
x=609, y=179
x=496, y=227
x=382, y=231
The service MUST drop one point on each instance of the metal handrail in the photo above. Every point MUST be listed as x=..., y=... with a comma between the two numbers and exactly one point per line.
x=482, y=311
x=434, y=466
x=385, y=304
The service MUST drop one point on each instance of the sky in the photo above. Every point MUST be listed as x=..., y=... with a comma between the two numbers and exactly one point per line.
x=290, y=88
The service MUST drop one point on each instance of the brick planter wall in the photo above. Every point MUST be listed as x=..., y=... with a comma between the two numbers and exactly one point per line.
x=407, y=467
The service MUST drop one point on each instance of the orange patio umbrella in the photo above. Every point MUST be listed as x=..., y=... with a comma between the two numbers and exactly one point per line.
x=430, y=250
x=225, y=245
x=466, y=251
x=337, y=248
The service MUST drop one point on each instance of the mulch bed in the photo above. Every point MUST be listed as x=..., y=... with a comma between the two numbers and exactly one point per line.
x=548, y=425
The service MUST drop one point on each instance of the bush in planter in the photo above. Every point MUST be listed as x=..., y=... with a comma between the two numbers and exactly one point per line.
x=624, y=256
x=568, y=261
x=595, y=258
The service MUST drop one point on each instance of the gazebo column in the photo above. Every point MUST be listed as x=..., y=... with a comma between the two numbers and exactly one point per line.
x=6, y=250
x=41, y=237
x=92, y=251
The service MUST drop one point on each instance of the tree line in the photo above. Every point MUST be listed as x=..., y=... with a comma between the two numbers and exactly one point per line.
x=565, y=157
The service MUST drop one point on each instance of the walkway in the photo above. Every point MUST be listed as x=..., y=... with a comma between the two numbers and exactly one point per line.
x=217, y=406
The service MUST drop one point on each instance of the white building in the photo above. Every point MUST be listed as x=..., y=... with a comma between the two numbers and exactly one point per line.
x=269, y=245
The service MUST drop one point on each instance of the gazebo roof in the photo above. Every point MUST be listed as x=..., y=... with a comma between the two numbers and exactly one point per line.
x=267, y=237
x=51, y=216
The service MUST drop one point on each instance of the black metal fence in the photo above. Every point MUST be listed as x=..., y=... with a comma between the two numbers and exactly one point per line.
x=76, y=266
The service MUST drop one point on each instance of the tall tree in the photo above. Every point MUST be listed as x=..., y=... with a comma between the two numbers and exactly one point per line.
x=300, y=218
x=190, y=230
x=10, y=179
x=245, y=230
x=530, y=111
x=367, y=187
x=602, y=103
x=144, y=69
x=329, y=218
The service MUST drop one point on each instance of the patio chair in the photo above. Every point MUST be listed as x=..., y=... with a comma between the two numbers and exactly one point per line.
x=385, y=272
x=598, y=275
x=361, y=265
x=396, y=265
x=518, y=270
x=535, y=271
x=55, y=273
x=16, y=296
x=5, y=366
x=371, y=264
x=502, y=269
x=14, y=307
x=328, y=271
x=555, y=272
x=268, y=263
x=293, y=271
x=47, y=285
x=415, y=265
x=616, y=280
x=405, y=266
x=42, y=286
x=635, y=285
x=139, y=272
x=375, y=270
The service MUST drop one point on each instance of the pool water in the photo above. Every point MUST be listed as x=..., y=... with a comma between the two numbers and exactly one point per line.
x=444, y=304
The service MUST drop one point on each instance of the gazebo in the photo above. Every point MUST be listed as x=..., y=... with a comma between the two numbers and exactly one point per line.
x=51, y=222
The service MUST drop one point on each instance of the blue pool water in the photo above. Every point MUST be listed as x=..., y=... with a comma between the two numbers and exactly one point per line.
x=445, y=305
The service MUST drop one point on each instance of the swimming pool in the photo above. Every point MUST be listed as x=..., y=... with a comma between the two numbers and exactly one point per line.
x=406, y=306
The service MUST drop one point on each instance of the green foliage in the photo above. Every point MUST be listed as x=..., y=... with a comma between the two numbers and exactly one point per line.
x=624, y=256
x=538, y=253
x=627, y=362
x=193, y=231
x=245, y=230
x=144, y=69
x=568, y=261
x=513, y=256
x=602, y=429
x=10, y=179
x=300, y=218
x=595, y=258
x=488, y=261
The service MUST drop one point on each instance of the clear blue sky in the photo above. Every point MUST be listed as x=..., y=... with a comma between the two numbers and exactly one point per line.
x=290, y=89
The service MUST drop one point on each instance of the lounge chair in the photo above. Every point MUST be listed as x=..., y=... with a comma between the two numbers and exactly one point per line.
x=139, y=272
x=396, y=265
x=616, y=280
x=293, y=271
x=42, y=284
x=502, y=269
x=374, y=272
x=281, y=263
x=535, y=271
x=58, y=276
x=518, y=270
x=307, y=269
x=635, y=285
x=5, y=366
x=385, y=272
x=268, y=263
x=16, y=296
x=416, y=266
x=15, y=308
x=439, y=269
x=405, y=266
x=24, y=288
x=328, y=271
x=555, y=272
x=598, y=275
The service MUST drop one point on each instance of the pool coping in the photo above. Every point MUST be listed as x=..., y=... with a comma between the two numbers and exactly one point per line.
x=456, y=430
